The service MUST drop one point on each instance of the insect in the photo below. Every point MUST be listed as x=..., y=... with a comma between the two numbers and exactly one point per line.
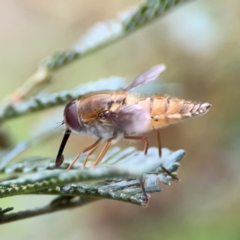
x=109, y=115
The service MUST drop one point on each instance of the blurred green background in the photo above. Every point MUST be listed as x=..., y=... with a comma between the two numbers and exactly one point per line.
x=200, y=44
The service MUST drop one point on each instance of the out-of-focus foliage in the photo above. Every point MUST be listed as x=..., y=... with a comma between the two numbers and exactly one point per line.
x=199, y=43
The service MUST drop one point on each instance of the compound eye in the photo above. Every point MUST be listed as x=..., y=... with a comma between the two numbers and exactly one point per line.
x=71, y=117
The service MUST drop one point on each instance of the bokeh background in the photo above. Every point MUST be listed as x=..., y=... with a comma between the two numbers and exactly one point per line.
x=200, y=44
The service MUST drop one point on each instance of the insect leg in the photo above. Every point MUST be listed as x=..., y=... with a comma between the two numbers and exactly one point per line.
x=170, y=174
x=90, y=153
x=160, y=154
x=159, y=143
x=93, y=146
x=143, y=190
x=145, y=139
x=103, y=152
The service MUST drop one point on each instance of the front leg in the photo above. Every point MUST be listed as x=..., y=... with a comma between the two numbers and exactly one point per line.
x=91, y=148
x=104, y=150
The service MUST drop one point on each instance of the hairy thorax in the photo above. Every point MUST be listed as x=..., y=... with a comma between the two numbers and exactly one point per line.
x=131, y=115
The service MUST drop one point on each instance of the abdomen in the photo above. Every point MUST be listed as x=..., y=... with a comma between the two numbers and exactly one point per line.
x=166, y=110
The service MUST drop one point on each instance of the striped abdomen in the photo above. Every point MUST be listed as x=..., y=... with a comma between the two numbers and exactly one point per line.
x=166, y=110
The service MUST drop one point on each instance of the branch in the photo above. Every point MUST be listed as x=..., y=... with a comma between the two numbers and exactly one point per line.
x=118, y=173
x=61, y=204
x=124, y=164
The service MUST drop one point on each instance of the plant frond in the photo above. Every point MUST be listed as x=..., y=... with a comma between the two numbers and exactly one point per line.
x=38, y=103
x=116, y=165
x=117, y=178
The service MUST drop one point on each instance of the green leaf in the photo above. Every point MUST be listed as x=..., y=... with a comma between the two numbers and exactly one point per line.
x=46, y=101
x=115, y=166
x=115, y=178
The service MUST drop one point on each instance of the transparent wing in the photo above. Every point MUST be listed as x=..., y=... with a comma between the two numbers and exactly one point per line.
x=147, y=76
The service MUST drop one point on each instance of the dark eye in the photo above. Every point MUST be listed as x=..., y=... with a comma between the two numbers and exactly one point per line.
x=71, y=117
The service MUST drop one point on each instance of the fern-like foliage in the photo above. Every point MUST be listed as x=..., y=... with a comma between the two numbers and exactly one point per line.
x=39, y=102
x=117, y=177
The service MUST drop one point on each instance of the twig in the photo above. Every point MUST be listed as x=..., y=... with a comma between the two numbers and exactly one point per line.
x=50, y=208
